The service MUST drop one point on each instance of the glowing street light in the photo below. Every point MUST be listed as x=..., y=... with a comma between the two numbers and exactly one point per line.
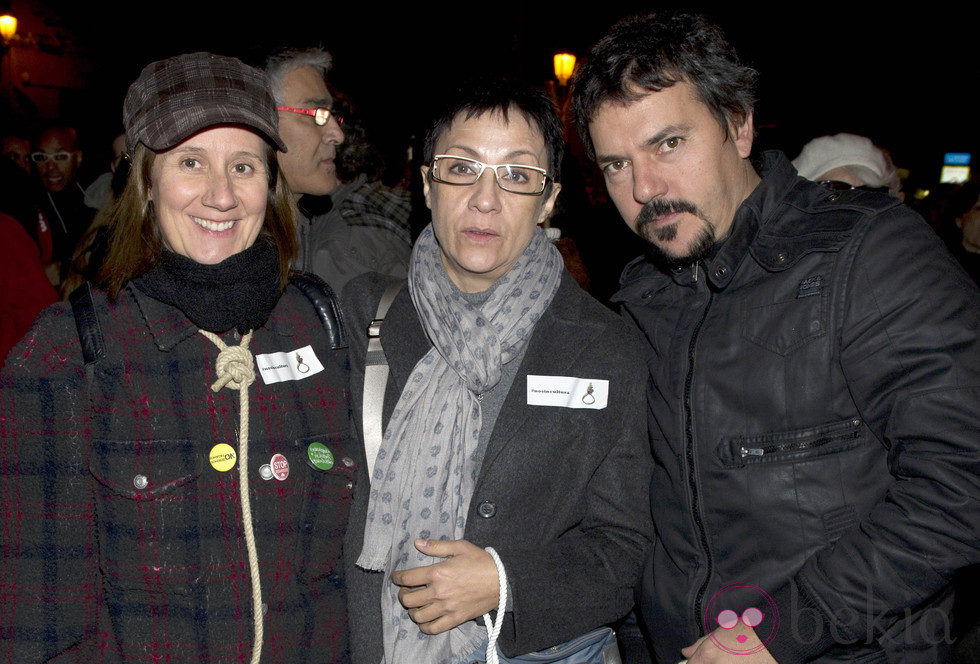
x=564, y=66
x=8, y=27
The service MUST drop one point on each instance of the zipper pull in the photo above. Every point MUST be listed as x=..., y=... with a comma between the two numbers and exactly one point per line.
x=752, y=451
x=695, y=277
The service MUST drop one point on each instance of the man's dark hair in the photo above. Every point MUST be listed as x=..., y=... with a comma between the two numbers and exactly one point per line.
x=650, y=52
x=481, y=96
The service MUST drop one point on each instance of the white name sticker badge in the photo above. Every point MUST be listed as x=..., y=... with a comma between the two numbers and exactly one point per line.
x=567, y=392
x=293, y=365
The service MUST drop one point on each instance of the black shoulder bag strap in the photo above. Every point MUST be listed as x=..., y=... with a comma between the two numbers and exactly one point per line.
x=324, y=302
x=89, y=329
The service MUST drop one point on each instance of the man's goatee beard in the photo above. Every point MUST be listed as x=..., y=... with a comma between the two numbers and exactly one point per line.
x=658, y=236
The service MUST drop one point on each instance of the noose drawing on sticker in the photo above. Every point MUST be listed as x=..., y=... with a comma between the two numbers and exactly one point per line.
x=301, y=366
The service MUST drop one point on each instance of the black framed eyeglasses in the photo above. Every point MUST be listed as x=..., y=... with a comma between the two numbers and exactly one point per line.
x=320, y=115
x=515, y=178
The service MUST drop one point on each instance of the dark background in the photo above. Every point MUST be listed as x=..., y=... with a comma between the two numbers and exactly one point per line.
x=903, y=78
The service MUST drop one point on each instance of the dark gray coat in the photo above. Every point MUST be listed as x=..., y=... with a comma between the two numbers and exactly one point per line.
x=562, y=493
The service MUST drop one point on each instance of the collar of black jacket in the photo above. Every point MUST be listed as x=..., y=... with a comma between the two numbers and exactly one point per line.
x=778, y=176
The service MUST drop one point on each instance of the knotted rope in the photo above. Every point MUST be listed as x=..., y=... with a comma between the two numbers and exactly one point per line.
x=236, y=369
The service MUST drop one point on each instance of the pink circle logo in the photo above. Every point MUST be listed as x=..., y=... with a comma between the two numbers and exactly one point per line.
x=718, y=613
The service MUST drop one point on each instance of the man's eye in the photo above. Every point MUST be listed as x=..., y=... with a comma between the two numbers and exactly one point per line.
x=614, y=167
x=672, y=143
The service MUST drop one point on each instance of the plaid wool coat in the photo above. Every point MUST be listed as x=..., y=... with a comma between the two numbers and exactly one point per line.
x=120, y=541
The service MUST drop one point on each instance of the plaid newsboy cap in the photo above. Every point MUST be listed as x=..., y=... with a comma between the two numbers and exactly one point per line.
x=175, y=98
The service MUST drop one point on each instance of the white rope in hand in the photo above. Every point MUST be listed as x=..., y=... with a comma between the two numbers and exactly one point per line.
x=236, y=369
x=493, y=629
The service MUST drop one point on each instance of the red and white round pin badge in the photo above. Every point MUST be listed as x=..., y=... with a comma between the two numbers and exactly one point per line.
x=280, y=467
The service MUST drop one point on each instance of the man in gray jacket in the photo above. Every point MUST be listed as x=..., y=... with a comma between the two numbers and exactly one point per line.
x=815, y=372
x=366, y=228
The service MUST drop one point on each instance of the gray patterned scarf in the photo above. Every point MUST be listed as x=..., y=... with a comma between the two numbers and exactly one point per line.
x=423, y=478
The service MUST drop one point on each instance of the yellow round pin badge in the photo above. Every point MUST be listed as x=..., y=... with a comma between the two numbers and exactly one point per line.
x=222, y=457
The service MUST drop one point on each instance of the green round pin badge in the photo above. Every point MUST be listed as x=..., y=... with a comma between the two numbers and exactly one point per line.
x=320, y=456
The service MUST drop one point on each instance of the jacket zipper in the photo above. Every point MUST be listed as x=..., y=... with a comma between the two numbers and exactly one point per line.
x=691, y=475
x=791, y=447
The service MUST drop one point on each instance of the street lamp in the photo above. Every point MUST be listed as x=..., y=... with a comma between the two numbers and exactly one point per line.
x=8, y=27
x=564, y=66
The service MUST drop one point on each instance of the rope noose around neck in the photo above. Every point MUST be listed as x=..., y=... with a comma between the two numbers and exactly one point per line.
x=235, y=369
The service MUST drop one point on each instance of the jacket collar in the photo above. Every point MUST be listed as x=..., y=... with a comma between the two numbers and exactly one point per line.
x=168, y=326
x=757, y=210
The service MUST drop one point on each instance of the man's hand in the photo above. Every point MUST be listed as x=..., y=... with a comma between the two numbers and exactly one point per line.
x=446, y=594
x=723, y=645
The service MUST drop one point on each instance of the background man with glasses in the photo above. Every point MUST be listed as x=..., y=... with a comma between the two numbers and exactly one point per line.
x=362, y=226
x=63, y=216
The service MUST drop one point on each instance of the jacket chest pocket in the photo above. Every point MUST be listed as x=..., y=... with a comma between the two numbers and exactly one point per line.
x=813, y=484
x=148, y=504
x=793, y=314
x=170, y=519
x=324, y=484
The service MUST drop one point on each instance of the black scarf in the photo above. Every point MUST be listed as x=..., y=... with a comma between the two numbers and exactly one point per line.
x=238, y=292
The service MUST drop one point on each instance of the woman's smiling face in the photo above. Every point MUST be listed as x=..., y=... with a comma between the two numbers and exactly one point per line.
x=210, y=193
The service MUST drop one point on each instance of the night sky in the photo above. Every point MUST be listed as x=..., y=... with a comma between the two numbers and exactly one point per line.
x=900, y=78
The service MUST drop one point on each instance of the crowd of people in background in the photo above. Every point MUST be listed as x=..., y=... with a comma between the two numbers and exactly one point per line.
x=484, y=460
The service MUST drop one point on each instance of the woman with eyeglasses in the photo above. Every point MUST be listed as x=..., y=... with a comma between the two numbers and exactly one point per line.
x=175, y=462
x=503, y=513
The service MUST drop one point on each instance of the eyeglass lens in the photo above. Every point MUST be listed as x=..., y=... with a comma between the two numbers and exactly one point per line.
x=511, y=177
x=41, y=157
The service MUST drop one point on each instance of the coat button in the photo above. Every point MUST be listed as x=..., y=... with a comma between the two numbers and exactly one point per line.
x=781, y=257
x=721, y=271
x=140, y=482
x=347, y=461
x=486, y=509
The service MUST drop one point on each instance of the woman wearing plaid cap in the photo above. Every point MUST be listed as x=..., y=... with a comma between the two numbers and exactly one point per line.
x=175, y=461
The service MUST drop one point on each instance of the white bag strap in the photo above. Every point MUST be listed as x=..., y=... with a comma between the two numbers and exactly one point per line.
x=376, y=379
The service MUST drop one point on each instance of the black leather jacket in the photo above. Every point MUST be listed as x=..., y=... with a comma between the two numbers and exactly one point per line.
x=814, y=419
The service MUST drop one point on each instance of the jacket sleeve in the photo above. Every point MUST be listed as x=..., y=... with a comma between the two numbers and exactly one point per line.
x=24, y=288
x=50, y=589
x=585, y=577
x=909, y=352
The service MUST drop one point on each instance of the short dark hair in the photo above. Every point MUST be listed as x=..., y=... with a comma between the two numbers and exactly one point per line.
x=650, y=52
x=479, y=96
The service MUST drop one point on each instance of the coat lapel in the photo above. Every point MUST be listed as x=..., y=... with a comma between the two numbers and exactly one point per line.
x=559, y=339
x=408, y=345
